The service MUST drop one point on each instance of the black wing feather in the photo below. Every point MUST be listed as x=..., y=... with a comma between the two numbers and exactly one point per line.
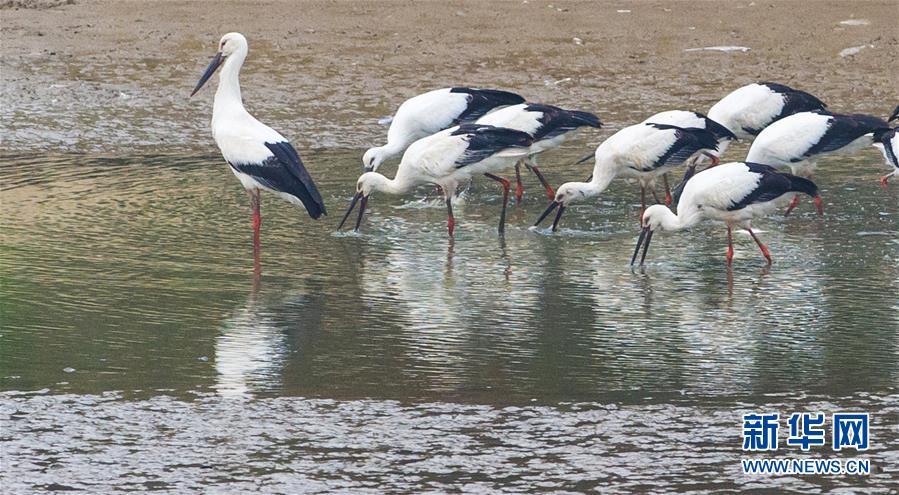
x=556, y=121
x=717, y=129
x=885, y=137
x=843, y=129
x=795, y=101
x=689, y=141
x=894, y=115
x=486, y=140
x=481, y=101
x=284, y=172
x=772, y=185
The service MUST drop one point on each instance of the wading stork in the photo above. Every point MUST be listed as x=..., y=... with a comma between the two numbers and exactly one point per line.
x=642, y=151
x=799, y=140
x=548, y=125
x=748, y=110
x=261, y=158
x=446, y=159
x=735, y=193
x=432, y=112
x=887, y=141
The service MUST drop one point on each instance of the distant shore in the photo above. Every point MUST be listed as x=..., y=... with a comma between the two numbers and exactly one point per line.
x=110, y=75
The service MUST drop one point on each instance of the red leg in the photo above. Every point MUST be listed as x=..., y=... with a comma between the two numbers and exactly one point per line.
x=506, y=185
x=761, y=246
x=792, y=205
x=668, y=198
x=519, y=187
x=730, y=246
x=257, y=217
x=450, y=221
x=883, y=180
x=715, y=160
x=549, y=189
x=819, y=205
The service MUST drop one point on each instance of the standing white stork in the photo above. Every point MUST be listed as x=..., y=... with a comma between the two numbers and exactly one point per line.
x=548, y=125
x=887, y=141
x=447, y=159
x=433, y=112
x=642, y=151
x=799, y=140
x=261, y=158
x=748, y=110
x=734, y=193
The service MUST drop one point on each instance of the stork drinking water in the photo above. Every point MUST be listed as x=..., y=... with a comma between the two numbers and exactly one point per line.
x=447, y=159
x=643, y=151
x=735, y=193
x=261, y=158
x=434, y=111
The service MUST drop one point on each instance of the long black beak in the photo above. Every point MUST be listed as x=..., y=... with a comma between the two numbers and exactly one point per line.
x=584, y=158
x=643, y=240
x=552, y=206
x=362, y=205
x=350, y=210
x=216, y=62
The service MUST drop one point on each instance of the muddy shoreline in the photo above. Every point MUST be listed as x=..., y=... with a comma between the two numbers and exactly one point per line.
x=113, y=76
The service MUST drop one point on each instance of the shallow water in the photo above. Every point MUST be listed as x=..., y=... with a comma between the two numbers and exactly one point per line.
x=395, y=358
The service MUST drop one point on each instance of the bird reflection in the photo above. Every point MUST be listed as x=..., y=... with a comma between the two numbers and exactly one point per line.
x=249, y=349
x=252, y=350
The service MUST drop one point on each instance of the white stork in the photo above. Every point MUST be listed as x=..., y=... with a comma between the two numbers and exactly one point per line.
x=684, y=118
x=548, y=125
x=799, y=140
x=446, y=159
x=748, y=110
x=432, y=112
x=261, y=158
x=887, y=141
x=735, y=193
x=642, y=151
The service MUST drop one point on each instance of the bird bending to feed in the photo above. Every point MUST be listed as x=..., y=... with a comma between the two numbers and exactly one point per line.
x=887, y=141
x=734, y=193
x=432, y=112
x=261, y=158
x=547, y=125
x=642, y=151
x=799, y=140
x=446, y=159
x=748, y=110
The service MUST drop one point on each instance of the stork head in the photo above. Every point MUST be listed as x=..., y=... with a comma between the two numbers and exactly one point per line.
x=229, y=45
x=572, y=192
x=655, y=217
x=373, y=158
x=566, y=194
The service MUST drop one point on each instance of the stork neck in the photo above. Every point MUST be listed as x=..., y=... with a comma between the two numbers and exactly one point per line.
x=393, y=147
x=685, y=218
x=603, y=173
x=398, y=185
x=228, y=93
